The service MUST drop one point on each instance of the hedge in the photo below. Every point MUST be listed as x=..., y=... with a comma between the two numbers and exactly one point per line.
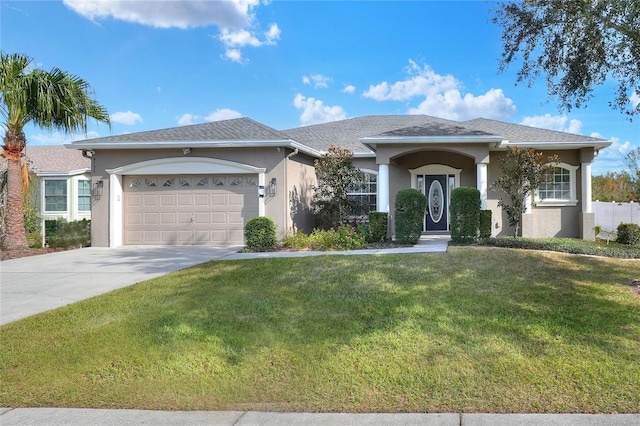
x=411, y=206
x=465, y=214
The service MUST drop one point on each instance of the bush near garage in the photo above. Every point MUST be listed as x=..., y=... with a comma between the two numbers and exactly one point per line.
x=260, y=234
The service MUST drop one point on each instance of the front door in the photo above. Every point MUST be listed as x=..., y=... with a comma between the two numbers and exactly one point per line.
x=436, y=191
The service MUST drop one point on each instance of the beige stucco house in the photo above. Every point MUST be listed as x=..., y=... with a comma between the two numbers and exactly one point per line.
x=62, y=188
x=200, y=184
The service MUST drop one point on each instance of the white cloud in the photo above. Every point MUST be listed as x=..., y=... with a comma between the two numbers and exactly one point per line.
x=170, y=14
x=442, y=96
x=273, y=34
x=127, y=118
x=319, y=81
x=612, y=158
x=186, y=119
x=223, y=114
x=560, y=123
x=315, y=112
x=59, y=138
x=234, y=55
x=234, y=18
x=350, y=89
x=635, y=99
x=453, y=106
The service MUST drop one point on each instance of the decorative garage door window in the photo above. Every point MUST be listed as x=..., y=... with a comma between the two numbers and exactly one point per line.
x=436, y=196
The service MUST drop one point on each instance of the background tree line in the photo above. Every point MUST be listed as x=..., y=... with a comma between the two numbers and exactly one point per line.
x=621, y=185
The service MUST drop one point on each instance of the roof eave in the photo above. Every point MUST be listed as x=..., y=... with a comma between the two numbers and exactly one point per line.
x=88, y=145
x=596, y=145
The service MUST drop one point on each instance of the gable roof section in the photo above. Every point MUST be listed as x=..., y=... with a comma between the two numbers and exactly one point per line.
x=53, y=159
x=518, y=134
x=347, y=133
x=235, y=132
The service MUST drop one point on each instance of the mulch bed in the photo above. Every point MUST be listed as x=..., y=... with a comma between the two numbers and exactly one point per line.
x=15, y=254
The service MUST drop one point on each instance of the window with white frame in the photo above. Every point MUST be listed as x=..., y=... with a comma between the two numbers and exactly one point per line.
x=84, y=195
x=55, y=195
x=559, y=188
x=363, y=196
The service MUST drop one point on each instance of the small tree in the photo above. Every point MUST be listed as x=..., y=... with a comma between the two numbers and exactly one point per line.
x=522, y=171
x=335, y=173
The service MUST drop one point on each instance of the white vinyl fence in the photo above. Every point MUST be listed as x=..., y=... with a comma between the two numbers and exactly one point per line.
x=608, y=215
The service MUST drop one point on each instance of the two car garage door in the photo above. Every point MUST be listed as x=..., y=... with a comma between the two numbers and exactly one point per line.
x=189, y=209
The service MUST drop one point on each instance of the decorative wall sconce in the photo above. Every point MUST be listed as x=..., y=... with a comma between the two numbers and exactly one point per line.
x=186, y=151
x=273, y=187
x=97, y=188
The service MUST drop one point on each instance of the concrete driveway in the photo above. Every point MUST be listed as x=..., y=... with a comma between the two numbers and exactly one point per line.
x=35, y=284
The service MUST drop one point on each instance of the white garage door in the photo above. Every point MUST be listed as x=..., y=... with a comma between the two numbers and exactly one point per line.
x=190, y=209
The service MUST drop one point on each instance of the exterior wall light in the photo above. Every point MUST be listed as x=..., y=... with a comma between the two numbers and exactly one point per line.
x=273, y=187
x=97, y=189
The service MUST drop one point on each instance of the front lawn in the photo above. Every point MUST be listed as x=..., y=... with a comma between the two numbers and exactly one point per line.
x=476, y=329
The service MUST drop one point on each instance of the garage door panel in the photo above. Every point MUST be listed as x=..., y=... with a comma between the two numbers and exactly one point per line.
x=134, y=218
x=201, y=200
x=189, y=209
x=135, y=200
x=170, y=218
x=219, y=199
x=168, y=200
x=150, y=200
x=185, y=200
x=151, y=219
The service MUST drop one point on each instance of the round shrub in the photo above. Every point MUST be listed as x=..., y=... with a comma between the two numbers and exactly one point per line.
x=628, y=233
x=260, y=233
x=411, y=206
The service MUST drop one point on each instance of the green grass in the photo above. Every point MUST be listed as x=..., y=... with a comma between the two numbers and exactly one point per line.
x=476, y=329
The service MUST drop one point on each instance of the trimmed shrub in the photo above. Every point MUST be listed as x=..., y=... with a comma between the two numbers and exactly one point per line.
x=260, y=233
x=465, y=214
x=62, y=234
x=378, y=226
x=485, y=223
x=411, y=205
x=628, y=233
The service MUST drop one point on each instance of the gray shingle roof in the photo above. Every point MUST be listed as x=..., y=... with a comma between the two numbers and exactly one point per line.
x=517, y=133
x=244, y=129
x=53, y=159
x=347, y=133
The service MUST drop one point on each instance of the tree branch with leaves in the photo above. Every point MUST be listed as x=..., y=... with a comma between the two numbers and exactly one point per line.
x=578, y=44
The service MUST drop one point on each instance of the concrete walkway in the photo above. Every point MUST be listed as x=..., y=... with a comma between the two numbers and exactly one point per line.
x=87, y=417
x=37, y=284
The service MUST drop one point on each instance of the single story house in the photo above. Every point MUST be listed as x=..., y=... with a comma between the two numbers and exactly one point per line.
x=200, y=184
x=63, y=185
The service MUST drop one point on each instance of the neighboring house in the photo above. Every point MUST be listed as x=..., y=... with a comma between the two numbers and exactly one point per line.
x=200, y=184
x=63, y=185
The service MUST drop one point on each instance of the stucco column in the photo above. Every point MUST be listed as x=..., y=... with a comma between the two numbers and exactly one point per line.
x=261, y=191
x=383, y=188
x=586, y=188
x=481, y=183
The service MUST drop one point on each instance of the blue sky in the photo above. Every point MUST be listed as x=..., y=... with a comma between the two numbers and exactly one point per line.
x=162, y=63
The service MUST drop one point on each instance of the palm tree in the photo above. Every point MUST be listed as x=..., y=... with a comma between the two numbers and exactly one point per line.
x=53, y=100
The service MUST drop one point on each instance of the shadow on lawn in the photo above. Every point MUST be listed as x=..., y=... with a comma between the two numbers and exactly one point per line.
x=330, y=302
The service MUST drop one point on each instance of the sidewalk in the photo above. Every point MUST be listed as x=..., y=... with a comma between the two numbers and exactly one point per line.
x=104, y=417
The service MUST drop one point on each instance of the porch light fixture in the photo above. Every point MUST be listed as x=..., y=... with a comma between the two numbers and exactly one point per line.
x=186, y=151
x=97, y=188
x=273, y=187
